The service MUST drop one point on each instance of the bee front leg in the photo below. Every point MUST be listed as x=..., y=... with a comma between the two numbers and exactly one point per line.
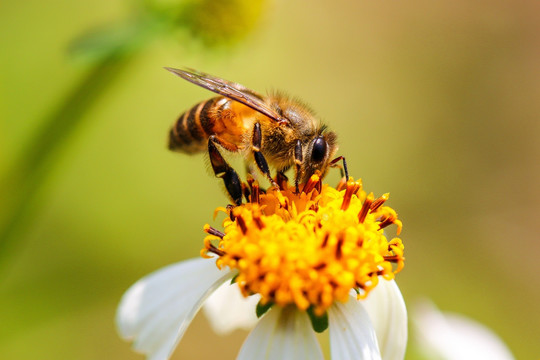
x=223, y=170
x=261, y=162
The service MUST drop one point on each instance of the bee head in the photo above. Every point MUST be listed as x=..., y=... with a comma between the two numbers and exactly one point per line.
x=319, y=152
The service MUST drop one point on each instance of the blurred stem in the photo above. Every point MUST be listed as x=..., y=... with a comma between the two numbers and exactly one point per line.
x=211, y=21
x=25, y=181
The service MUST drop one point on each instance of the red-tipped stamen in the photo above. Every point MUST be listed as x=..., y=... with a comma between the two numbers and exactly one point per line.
x=255, y=192
x=211, y=248
x=318, y=186
x=257, y=218
x=212, y=231
x=365, y=208
x=230, y=211
x=341, y=185
x=310, y=185
x=348, y=195
x=245, y=191
x=379, y=201
x=339, y=245
x=388, y=221
x=242, y=223
x=392, y=258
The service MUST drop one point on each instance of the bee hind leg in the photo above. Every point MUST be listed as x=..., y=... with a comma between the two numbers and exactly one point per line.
x=261, y=162
x=223, y=170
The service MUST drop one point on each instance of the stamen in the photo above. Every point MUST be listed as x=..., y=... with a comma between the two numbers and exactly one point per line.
x=348, y=195
x=392, y=258
x=257, y=218
x=210, y=248
x=255, y=193
x=215, y=250
x=245, y=191
x=338, y=247
x=325, y=240
x=360, y=286
x=379, y=201
x=212, y=231
x=341, y=185
x=242, y=223
x=310, y=185
x=365, y=208
x=250, y=180
x=230, y=211
x=387, y=221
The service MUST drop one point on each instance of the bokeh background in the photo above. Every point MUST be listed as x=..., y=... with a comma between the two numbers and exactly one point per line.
x=435, y=102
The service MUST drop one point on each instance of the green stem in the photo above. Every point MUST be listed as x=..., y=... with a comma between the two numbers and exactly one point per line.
x=25, y=181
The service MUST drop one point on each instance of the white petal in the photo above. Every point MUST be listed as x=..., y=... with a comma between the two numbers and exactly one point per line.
x=227, y=309
x=388, y=314
x=352, y=335
x=282, y=333
x=158, y=308
x=450, y=337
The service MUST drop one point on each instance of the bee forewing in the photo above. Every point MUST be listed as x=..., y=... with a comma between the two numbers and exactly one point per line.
x=230, y=90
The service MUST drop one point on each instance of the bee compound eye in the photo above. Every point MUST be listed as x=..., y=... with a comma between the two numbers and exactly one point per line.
x=318, y=152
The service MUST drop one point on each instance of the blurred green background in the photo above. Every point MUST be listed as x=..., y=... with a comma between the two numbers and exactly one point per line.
x=436, y=103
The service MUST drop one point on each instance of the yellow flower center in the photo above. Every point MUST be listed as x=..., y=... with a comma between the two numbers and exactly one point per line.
x=309, y=249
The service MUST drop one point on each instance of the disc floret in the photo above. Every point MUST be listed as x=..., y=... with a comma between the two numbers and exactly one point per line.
x=308, y=249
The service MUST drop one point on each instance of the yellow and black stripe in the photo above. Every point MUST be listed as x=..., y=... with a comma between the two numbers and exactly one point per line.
x=191, y=131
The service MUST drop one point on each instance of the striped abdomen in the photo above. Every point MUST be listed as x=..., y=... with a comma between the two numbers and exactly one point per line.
x=191, y=131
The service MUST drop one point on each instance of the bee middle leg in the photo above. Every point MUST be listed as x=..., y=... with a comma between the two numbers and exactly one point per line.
x=223, y=170
x=261, y=162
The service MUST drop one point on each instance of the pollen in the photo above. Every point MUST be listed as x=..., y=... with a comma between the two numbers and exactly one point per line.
x=309, y=248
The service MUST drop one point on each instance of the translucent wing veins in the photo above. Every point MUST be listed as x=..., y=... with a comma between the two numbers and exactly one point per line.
x=230, y=90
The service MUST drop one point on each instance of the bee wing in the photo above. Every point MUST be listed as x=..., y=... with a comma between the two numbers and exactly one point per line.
x=230, y=90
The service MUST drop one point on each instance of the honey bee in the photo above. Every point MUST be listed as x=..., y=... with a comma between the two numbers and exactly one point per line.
x=272, y=130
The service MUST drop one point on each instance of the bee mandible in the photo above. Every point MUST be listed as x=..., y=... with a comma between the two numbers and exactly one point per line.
x=273, y=130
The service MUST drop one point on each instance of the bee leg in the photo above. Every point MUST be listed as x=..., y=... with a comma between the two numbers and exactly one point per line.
x=298, y=159
x=259, y=157
x=344, y=171
x=223, y=170
x=224, y=144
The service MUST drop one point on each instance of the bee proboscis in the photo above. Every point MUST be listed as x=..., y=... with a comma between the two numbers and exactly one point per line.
x=273, y=130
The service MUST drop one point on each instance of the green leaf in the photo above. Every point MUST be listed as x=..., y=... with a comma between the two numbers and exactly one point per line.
x=262, y=309
x=319, y=323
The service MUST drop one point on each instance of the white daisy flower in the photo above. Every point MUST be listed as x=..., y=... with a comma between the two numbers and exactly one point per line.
x=303, y=263
x=447, y=336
